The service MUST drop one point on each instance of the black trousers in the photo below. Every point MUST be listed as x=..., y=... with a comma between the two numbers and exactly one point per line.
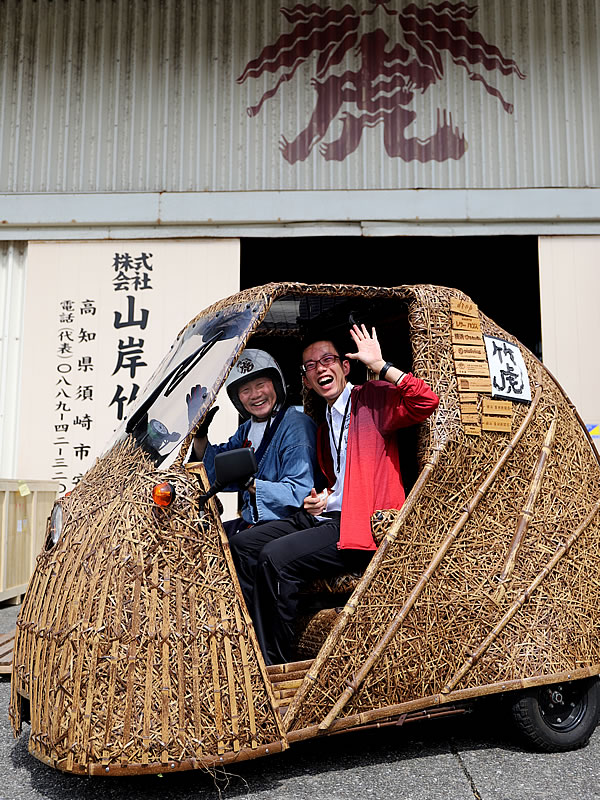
x=275, y=561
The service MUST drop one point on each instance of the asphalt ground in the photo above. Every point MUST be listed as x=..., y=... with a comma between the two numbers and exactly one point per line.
x=470, y=757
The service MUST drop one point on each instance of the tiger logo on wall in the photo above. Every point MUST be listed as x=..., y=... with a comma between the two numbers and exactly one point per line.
x=388, y=76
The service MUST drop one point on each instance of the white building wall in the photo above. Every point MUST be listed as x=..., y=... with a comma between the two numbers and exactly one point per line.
x=570, y=304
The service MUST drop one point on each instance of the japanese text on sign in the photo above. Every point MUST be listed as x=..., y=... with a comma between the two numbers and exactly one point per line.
x=508, y=372
x=76, y=336
x=131, y=275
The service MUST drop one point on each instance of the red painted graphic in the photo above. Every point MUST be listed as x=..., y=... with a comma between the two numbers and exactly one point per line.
x=389, y=74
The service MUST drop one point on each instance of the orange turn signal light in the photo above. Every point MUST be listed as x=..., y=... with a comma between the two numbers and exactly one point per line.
x=163, y=494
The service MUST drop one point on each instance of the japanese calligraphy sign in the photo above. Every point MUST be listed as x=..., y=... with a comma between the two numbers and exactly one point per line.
x=99, y=317
x=508, y=372
x=405, y=48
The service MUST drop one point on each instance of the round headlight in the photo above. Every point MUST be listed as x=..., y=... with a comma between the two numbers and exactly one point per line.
x=56, y=522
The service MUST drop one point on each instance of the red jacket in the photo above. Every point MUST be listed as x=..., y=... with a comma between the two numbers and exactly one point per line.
x=372, y=480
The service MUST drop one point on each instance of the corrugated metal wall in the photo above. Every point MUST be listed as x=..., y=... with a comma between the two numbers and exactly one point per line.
x=12, y=297
x=141, y=95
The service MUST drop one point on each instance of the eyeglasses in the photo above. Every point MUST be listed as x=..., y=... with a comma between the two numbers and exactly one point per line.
x=326, y=361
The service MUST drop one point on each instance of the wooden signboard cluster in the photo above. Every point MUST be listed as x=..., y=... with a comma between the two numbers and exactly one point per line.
x=473, y=375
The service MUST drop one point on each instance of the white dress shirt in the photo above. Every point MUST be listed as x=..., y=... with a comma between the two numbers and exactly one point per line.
x=338, y=414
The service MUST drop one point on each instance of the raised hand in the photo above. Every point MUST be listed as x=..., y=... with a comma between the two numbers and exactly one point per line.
x=368, y=348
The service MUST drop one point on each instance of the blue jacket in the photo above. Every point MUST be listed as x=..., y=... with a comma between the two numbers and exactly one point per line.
x=286, y=472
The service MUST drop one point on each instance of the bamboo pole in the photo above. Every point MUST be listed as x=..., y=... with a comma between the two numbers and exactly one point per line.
x=196, y=674
x=131, y=661
x=214, y=660
x=165, y=656
x=152, y=636
x=233, y=709
x=366, y=718
x=380, y=647
x=520, y=601
x=527, y=511
x=112, y=677
x=180, y=660
x=247, y=680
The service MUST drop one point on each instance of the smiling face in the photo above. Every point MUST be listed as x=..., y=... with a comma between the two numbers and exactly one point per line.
x=327, y=381
x=258, y=396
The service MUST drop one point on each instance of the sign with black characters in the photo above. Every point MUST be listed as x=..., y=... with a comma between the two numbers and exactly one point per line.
x=99, y=317
x=508, y=373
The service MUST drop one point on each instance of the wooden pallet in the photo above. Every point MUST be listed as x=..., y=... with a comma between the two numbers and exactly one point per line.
x=7, y=643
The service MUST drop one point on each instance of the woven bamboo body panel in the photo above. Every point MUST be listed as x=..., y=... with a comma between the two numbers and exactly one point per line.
x=134, y=647
x=462, y=628
x=147, y=661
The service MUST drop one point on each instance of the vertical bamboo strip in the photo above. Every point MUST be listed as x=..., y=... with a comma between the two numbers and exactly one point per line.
x=166, y=678
x=197, y=718
x=527, y=511
x=112, y=678
x=150, y=666
x=132, y=654
x=247, y=679
x=179, y=628
x=91, y=684
x=233, y=709
x=214, y=660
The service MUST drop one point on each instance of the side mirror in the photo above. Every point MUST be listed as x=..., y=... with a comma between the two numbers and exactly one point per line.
x=233, y=466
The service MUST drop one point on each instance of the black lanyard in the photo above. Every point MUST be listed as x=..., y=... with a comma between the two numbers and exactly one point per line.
x=338, y=446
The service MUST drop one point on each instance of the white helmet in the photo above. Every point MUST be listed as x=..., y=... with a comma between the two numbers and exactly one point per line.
x=250, y=365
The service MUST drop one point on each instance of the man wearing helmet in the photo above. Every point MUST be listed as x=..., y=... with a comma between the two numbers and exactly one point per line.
x=283, y=439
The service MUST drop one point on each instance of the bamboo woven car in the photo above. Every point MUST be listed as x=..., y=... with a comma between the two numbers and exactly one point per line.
x=134, y=650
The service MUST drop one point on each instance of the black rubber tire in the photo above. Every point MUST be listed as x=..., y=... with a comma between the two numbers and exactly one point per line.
x=559, y=717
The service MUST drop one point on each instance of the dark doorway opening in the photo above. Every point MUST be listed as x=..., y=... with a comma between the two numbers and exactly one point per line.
x=499, y=273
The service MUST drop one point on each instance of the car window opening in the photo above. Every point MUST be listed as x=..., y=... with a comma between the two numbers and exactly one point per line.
x=281, y=334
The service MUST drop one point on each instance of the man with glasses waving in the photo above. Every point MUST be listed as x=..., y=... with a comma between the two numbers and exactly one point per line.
x=358, y=454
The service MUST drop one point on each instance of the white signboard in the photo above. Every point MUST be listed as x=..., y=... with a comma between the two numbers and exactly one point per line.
x=508, y=373
x=99, y=317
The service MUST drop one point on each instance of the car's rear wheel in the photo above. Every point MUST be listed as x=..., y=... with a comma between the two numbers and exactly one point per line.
x=559, y=717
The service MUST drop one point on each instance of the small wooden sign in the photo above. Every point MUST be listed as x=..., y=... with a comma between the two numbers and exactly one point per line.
x=472, y=430
x=469, y=419
x=466, y=399
x=471, y=351
x=472, y=368
x=462, y=323
x=468, y=408
x=467, y=384
x=465, y=307
x=502, y=424
x=501, y=408
x=466, y=337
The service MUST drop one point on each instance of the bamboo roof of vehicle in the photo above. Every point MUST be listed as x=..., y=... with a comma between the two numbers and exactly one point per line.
x=134, y=646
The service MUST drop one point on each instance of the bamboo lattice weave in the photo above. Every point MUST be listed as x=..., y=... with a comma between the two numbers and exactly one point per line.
x=148, y=659
x=134, y=647
x=554, y=631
